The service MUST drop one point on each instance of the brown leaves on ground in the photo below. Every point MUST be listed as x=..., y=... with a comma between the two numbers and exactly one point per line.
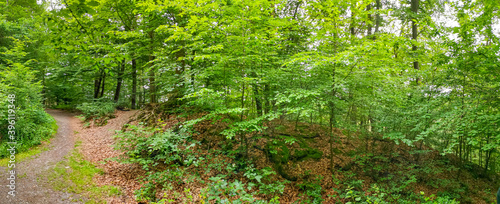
x=97, y=147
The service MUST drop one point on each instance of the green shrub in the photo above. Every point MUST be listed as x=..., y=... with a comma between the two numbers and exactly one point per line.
x=32, y=123
x=150, y=147
x=97, y=109
x=380, y=195
x=312, y=190
x=224, y=191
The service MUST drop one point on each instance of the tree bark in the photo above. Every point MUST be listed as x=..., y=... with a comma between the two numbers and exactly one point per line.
x=97, y=84
x=414, y=32
x=377, y=16
x=369, y=22
x=134, y=84
x=103, y=84
x=119, y=80
x=152, y=85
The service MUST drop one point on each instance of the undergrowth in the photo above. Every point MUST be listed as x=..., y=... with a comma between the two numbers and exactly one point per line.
x=30, y=144
x=99, y=111
x=175, y=162
x=171, y=161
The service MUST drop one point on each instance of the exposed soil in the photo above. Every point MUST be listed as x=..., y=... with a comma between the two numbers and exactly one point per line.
x=28, y=189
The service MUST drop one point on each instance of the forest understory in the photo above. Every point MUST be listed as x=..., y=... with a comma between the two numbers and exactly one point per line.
x=364, y=166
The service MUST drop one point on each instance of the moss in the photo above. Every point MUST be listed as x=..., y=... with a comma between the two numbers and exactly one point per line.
x=278, y=152
x=315, y=154
x=307, y=153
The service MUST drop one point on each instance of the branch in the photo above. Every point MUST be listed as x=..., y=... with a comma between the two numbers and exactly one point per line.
x=72, y=14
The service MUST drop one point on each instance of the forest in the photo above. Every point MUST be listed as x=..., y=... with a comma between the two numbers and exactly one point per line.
x=268, y=101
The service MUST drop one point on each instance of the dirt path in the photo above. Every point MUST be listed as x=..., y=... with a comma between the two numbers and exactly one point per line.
x=96, y=147
x=27, y=188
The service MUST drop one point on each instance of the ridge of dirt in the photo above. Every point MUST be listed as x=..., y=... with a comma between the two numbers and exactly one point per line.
x=28, y=188
x=97, y=147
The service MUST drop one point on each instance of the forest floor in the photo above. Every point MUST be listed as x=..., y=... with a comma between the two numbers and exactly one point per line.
x=94, y=148
x=97, y=147
x=356, y=161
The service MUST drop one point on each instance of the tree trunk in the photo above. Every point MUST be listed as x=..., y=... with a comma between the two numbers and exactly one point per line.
x=332, y=121
x=152, y=87
x=134, y=84
x=267, y=99
x=414, y=32
x=369, y=22
x=119, y=80
x=97, y=84
x=103, y=84
x=377, y=16
x=487, y=161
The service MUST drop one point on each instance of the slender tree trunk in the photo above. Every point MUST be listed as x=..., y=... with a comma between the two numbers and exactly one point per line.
x=134, y=84
x=103, y=84
x=178, y=90
x=414, y=32
x=487, y=161
x=369, y=22
x=119, y=80
x=267, y=99
x=377, y=16
x=332, y=121
x=152, y=86
x=351, y=26
x=142, y=91
x=97, y=84
x=258, y=103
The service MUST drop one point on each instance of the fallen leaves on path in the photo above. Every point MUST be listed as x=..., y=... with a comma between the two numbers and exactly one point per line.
x=97, y=147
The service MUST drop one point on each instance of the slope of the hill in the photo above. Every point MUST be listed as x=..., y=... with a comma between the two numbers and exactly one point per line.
x=364, y=167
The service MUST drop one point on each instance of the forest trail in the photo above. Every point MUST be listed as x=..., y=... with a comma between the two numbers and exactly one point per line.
x=28, y=189
x=97, y=147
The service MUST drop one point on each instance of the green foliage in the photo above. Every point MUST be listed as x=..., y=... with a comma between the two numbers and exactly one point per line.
x=18, y=78
x=223, y=191
x=337, y=65
x=377, y=194
x=279, y=152
x=312, y=190
x=262, y=179
x=149, y=147
x=97, y=110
